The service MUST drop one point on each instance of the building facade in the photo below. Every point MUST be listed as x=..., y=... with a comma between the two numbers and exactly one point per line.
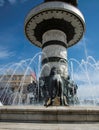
x=14, y=88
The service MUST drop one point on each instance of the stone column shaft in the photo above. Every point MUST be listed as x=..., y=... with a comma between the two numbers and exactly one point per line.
x=54, y=52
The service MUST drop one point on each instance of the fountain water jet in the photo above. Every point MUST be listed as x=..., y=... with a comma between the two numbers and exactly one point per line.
x=87, y=79
x=18, y=74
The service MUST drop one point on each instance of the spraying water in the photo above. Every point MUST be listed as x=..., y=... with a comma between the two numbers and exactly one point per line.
x=17, y=82
x=85, y=74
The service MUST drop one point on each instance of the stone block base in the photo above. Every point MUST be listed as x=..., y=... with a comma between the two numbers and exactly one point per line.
x=41, y=114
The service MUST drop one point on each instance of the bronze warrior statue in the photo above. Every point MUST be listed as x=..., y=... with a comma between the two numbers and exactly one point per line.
x=56, y=89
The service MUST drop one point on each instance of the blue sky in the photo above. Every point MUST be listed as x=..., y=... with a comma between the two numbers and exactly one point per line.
x=14, y=46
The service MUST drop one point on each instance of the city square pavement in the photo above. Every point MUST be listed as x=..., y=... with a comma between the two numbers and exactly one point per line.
x=45, y=126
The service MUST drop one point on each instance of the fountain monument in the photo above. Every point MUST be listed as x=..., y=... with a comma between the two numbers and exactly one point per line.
x=54, y=26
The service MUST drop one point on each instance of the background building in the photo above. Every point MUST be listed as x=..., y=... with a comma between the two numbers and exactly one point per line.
x=15, y=89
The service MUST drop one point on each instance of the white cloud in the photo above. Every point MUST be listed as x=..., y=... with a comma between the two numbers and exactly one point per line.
x=12, y=1
x=5, y=53
x=2, y=2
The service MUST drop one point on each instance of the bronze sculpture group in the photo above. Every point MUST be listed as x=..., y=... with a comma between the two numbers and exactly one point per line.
x=58, y=91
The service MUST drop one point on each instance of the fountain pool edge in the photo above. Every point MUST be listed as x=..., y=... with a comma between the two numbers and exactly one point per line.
x=40, y=114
